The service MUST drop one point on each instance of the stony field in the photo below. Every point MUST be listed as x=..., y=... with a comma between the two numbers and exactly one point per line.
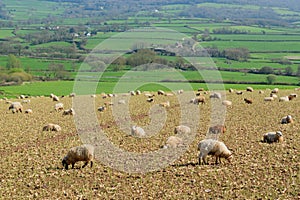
x=31, y=158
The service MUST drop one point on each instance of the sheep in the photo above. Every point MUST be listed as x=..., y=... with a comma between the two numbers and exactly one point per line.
x=26, y=101
x=198, y=100
x=214, y=148
x=72, y=95
x=101, y=108
x=93, y=96
x=150, y=100
x=275, y=90
x=80, y=153
x=249, y=89
x=138, y=92
x=173, y=142
x=287, y=119
x=149, y=95
x=108, y=103
x=198, y=94
x=227, y=103
x=248, y=101
x=292, y=96
x=217, y=129
x=110, y=95
x=15, y=107
x=121, y=101
x=58, y=107
x=51, y=127
x=160, y=92
x=69, y=112
x=200, y=89
x=22, y=96
x=283, y=99
x=269, y=99
x=181, y=129
x=55, y=98
x=271, y=137
x=180, y=91
x=231, y=90
x=273, y=95
x=215, y=95
x=51, y=95
x=260, y=92
x=165, y=104
x=132, y=93
x=28, y=111
x=137, y=131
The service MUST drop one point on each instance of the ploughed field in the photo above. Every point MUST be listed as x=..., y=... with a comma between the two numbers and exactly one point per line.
x=31, y=158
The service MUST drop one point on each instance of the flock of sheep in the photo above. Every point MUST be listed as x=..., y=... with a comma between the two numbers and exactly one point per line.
x=206, y=146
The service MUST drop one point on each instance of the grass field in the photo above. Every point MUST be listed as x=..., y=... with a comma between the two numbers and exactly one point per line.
x=32, y=168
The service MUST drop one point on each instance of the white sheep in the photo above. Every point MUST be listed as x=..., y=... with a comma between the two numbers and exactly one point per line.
x=138, y=92
x=271, y=137
x=180, y=91
x=239, y=92
x=227, y=103
x=150, y=100
x=55, y=98
x=137, y=131
x=51, y=127
x=26, y=101
x=231, y=90
x=214, y=148
x=80, y=153
x=249, y=89
x=182, y=129
x=160, y=92
x=149, y=95
x=292, y=96
x=269, y=99
x=284, y=99
x=28, y=111
x=286, y=120
x=132, y=93
x=69, y=112
x=275, y=90
x=173, y=142
x=59, y=107
x=15, y=107
x=273, y=95
x=216, y=95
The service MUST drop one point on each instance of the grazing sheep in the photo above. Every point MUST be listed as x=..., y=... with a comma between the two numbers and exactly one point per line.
x=248, y=101
x=173, y=142
x=271, y=137
x=198, y=100
x=150, y=100
x=239, y=92
x=52, y=127
x=181, y=129
x=138, y=92
x=180, y=91
x=15, y=107
x=132, y=93
x=110, y=95
x=273, y=95
x=214, y=148
x=283, y=99
x=165, y=104
x=218, y=129
x=72, y=95
x=275, y=90
x=59, y=107
x=231, y=90
x=249, y=89
x=93, y=96
x=55, y=98
x=215, y=95
x=227, y=103
x=160, y=92
x=149, y=95
x=22, y=96
x=269, y=99
x=69, y=112
x=287, y=119
x=137, y=131
x=80, y=153
x=28, y=111
x=292, y=96
x=101, y=108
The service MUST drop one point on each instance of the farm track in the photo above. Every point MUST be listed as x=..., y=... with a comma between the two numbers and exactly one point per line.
x=31, y=159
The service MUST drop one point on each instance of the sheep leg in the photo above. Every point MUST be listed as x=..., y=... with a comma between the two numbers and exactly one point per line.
x=85, y=164
x=91, y=164
x=73, y=165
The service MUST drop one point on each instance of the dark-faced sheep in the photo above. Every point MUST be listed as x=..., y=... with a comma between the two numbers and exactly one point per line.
x=287, y=120
x=217, y=129
x=51, y=127
x=15, y=107
x=80, y=153
x=248, y=101
x=69, y=112
x=215, y=148
x=249, y=89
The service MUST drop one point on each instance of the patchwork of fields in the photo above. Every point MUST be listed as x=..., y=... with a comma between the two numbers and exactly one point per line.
x=31, y=159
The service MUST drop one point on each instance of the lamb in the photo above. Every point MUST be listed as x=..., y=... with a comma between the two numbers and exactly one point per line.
x=137, y=131
x=248, y=101
x=214, y=148
x=217, y=129
x=28, y=111
x=59, y=107
x=271, y=137
x=287, y=119
x=160, y=92
x=181, y=129
x=227, y=103
x=249, y=89
x=51, y=127
x=69, y=112
x=165, y=104
x=15, y=107
x=80, y=153
x=173, y=142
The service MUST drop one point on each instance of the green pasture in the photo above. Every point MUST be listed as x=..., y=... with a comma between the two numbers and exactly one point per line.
x=5, y=33
x=258, y=37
